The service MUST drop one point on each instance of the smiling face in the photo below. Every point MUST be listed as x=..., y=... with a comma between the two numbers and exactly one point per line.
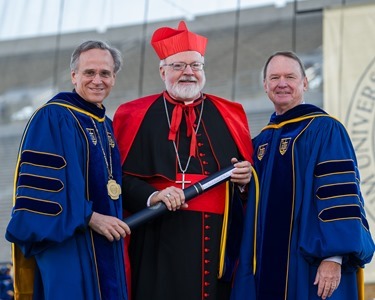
x=284, y=83
x=94, y=77
x=184, y=85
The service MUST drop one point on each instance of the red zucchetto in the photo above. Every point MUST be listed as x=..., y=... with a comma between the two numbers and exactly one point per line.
x=167, y=41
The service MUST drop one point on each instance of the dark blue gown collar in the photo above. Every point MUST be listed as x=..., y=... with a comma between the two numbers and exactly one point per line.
x=76, y=100
x=296, y=112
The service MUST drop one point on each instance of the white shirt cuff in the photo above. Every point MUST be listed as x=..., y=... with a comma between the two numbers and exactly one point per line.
x=336, y=259
x=149, y=199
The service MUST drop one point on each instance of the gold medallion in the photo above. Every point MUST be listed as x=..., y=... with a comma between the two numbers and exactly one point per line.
x=114, y=189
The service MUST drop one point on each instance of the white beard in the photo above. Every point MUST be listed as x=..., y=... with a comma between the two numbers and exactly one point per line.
x=185, y=92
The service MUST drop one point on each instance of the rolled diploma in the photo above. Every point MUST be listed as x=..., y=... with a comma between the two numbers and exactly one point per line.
x=149, y=213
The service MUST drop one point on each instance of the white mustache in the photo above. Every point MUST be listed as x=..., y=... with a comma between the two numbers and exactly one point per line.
x=188, y=78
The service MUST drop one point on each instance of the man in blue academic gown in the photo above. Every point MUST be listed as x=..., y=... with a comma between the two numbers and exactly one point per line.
x=66, y=224
x=306, y=236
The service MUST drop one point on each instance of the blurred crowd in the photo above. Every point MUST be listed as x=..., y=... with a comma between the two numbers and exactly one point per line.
x=6, y=282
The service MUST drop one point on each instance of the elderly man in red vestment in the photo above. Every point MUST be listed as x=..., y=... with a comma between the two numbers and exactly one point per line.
x=169, y=141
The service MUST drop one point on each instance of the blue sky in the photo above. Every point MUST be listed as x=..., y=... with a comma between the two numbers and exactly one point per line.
x=27, y=18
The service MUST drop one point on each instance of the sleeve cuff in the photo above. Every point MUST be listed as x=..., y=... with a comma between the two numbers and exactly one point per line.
x=149, y=199
x=336, y=259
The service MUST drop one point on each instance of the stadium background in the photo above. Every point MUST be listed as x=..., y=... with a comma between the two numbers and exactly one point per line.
x=239, y=41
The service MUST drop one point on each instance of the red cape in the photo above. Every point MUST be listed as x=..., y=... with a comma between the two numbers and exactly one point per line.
x=129, y=116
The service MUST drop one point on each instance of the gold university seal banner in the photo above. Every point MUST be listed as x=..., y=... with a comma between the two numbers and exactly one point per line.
x=349, y=89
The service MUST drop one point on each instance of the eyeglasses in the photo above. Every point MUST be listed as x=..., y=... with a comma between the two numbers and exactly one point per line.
x=102, y=74
x=180, y=66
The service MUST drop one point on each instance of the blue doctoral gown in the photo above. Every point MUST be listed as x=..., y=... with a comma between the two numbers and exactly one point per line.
x=61, y=179
x=309, y=208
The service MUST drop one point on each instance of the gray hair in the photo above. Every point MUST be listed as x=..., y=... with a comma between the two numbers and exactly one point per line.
x=88, y=45
x=289, y=54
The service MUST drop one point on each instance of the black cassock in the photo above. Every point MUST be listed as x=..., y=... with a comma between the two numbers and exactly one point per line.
x=177, y=255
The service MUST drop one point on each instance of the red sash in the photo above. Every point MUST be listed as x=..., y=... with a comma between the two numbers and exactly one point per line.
x=212, y=201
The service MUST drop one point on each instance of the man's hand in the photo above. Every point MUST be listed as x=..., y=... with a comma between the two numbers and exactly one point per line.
x=241, y=175
x=327, y=278
x=111, y=227
x=173, y=198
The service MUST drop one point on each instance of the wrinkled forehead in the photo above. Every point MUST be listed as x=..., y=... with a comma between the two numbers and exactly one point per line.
x=186, y=56
x=96, y=59
x=283, y=64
